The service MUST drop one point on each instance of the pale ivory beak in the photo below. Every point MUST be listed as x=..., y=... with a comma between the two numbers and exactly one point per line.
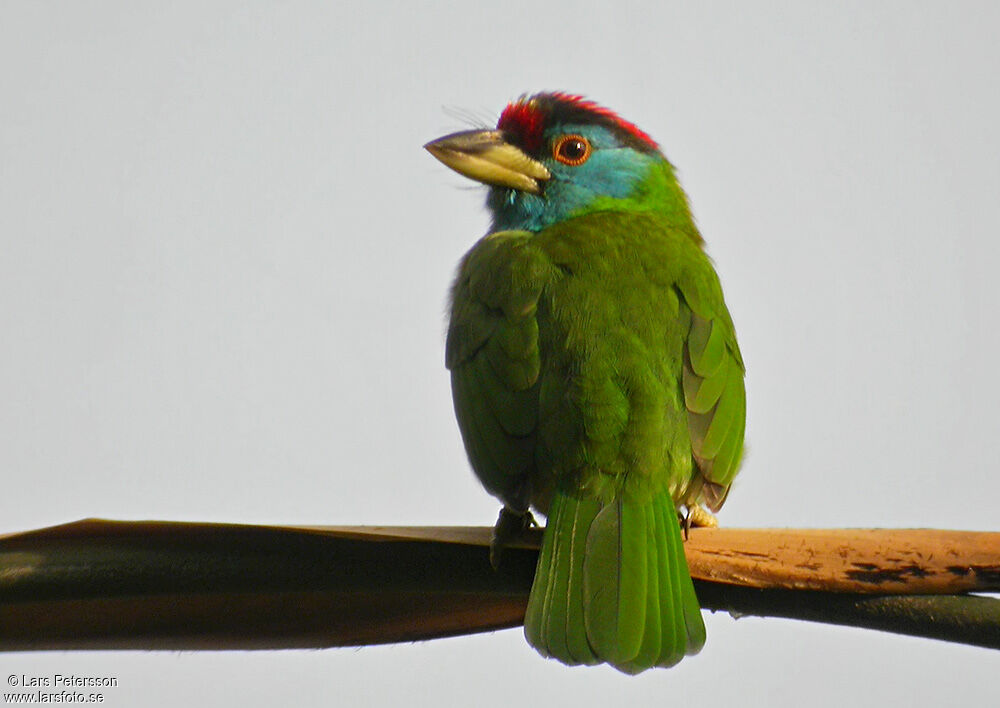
x=484, y=155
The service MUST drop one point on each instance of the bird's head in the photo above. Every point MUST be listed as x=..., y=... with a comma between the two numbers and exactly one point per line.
x=554, y=156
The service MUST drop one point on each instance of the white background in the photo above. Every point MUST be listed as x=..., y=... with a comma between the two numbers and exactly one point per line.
x=224, y=259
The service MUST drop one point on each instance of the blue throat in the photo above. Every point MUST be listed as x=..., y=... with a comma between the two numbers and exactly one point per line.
x=612, y=172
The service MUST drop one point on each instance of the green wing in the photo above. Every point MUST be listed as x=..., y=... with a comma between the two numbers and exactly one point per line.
x=714, y=389
x=492, y=352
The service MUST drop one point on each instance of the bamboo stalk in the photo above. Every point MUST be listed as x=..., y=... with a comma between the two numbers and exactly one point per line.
x=99, y=584
x=873, y=561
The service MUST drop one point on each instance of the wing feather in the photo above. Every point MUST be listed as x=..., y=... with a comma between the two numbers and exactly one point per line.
x=714, y=390
x=493, y=353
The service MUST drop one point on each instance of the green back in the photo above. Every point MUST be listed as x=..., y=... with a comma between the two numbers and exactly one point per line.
x=598, y=355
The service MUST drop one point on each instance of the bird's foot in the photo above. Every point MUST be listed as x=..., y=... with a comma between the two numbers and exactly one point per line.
x=697, y=515
x=509, y=527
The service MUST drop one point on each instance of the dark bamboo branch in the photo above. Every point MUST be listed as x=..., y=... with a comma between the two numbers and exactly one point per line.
x=158, y=585
x=963, y=619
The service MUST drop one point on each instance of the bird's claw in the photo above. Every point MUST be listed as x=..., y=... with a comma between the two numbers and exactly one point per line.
x=510, y=525
x=697, y=515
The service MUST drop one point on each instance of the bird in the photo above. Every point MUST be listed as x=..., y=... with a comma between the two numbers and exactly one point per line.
x=595, y=373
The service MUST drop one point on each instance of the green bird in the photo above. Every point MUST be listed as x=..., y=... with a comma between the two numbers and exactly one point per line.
x=595, y=374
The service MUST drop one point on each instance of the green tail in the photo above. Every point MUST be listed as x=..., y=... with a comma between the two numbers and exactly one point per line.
x=612, y=585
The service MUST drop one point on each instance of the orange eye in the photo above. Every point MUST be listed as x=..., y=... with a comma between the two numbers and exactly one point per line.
x=571, y=149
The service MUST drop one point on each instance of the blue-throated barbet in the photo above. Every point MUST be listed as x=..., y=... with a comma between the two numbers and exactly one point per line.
x=595, y=374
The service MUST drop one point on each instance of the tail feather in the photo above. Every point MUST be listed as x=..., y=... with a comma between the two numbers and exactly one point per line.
x=671, y=623
x=576, y=633
x=614, y=592
x=556, y=608
x=649, y=652
x=612, y=586
x=673, y=616
x=536, y=613
x=554, y=623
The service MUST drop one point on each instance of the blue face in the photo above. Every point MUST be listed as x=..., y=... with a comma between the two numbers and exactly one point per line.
x=611, y=170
